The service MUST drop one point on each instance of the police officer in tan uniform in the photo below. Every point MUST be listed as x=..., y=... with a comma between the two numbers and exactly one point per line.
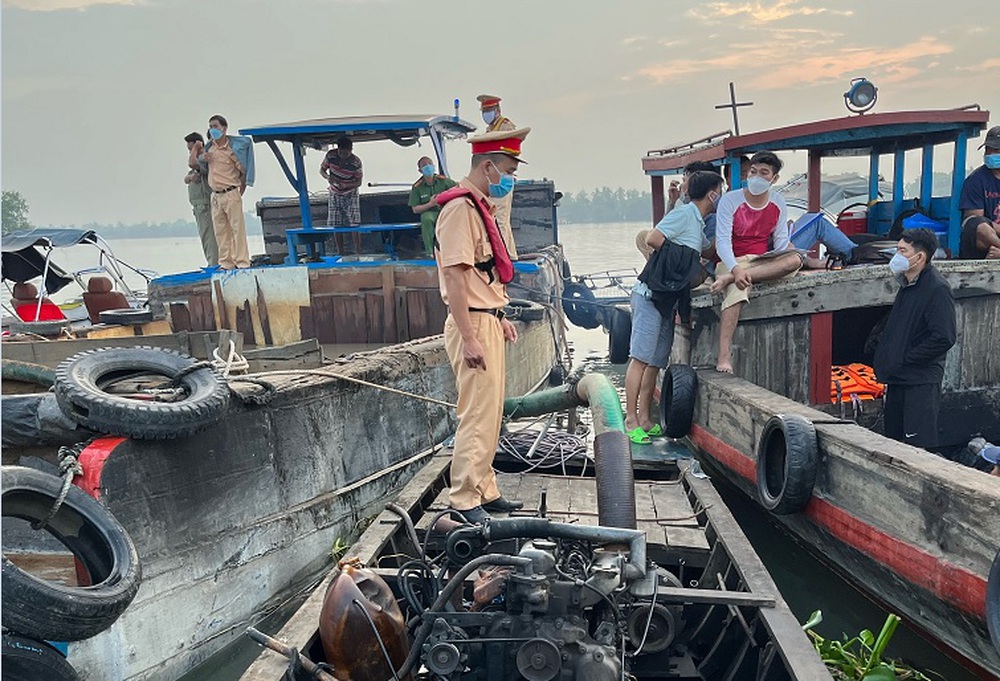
x=473, y=267
x=495, y=121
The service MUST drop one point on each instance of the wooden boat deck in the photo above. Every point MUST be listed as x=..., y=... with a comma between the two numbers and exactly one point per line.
x=663, y=510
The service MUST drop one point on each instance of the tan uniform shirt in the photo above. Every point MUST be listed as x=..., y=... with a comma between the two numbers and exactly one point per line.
x=224, y=169
x=463, y=241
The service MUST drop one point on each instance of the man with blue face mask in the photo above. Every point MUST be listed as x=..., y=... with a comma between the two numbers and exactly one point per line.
x=423, y=201
x=980, y=204
x=473, y=271
x=230, y=165
x=496, y=121
x=917, y=336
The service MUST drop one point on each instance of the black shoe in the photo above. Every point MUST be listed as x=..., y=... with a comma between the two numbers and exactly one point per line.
x=501, y=505
x=475, y=515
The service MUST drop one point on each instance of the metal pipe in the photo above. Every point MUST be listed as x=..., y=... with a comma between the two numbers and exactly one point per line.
x=286, y=650
x=542, y=528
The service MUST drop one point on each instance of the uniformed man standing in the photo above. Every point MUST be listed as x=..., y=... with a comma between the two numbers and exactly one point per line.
x=200, y=197
x=422, y=200
x=474, y=268
x=490, y=106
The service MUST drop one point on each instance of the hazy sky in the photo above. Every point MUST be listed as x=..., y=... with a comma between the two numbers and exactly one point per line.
x=98, y=94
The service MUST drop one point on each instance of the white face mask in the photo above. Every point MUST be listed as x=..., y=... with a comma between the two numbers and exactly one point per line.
x=899, y=263
x=489, y=116
x=757, y=185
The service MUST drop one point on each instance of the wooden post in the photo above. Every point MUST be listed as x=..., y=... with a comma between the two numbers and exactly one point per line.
x=659, y=206
x=815, y=180
x=389, y=304
x=820, y=356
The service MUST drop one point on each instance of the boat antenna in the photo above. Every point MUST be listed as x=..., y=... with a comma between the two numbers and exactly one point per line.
x=733, y=104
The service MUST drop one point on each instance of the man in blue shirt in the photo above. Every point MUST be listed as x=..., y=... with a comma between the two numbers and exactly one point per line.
x=653, y=332
x=980, y=204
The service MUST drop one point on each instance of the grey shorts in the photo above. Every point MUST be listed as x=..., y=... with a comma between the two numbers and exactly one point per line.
x=652, y=336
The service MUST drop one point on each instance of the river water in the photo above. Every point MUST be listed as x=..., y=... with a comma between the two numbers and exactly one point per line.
x=804, y=582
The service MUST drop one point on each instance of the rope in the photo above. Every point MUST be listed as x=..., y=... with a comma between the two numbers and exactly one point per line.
x=197, y=366
x=234, y=361
x=69, y=467
x=343, y=377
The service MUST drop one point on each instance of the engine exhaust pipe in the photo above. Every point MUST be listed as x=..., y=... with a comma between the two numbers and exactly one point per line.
x=612, y=454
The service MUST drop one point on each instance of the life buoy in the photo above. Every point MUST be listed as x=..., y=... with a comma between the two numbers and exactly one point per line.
x=677, y=396
x=619, y=336
x=82, y=392
x=46, y=610
x=25, y=659
x=787, y=458
x=993, y=602
x=580, y=305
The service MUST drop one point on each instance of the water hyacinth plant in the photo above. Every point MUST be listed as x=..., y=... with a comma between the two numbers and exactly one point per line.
x=860, y=658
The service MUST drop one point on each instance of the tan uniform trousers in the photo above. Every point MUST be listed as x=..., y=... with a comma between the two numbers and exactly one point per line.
x=480, y=409
x=230, y=229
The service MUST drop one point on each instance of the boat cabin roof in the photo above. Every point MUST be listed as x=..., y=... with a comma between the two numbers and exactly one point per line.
x=858, y=135
x=401, y=129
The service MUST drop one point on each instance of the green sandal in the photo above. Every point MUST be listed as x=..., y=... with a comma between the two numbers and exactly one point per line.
x=639, y=437
x=656, y=431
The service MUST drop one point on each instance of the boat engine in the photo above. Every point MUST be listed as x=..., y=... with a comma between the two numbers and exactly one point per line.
x=557, y=609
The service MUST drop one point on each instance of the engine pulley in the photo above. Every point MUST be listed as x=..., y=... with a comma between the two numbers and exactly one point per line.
x=538, y=660
x=443, y=659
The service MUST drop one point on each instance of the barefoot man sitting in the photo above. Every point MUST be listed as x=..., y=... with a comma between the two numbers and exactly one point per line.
x=750, y=223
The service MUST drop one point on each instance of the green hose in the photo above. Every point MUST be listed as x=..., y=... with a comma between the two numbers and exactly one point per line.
x=26, y=372
x=593, y=390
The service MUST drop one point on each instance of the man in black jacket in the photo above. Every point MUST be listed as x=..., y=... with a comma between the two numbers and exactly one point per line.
x=917, y=336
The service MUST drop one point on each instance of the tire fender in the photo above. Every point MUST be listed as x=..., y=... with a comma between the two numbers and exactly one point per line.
x=26, y=659
x=48, y=610
x=80, y=392
x=787, y=459
x=619, y=335
x=580, y=305
x=678, y=393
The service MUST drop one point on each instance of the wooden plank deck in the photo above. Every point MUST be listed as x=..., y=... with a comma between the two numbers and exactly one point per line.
x=662, y=509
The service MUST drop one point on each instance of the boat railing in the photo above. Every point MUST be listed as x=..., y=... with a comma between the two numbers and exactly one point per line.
x=710, y=140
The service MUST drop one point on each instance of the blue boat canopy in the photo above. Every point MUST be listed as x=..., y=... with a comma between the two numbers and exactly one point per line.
x=401, y=129
x=316, y=133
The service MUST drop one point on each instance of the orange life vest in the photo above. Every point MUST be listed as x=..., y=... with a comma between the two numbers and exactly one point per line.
x=854, y=379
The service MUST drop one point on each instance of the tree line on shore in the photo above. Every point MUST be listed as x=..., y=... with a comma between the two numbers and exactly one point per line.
x=15, y=219
x=606, y=205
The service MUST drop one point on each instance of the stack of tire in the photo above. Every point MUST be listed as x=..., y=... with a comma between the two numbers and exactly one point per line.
x=36, y=610
x=108, y=572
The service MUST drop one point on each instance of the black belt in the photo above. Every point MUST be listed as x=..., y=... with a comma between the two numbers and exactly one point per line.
x=495, y=311
x=223, y=191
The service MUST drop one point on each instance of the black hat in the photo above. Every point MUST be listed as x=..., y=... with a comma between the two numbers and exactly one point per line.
x=992, y=138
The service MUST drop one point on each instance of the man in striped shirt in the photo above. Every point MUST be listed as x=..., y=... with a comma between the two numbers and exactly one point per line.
x=342, y=169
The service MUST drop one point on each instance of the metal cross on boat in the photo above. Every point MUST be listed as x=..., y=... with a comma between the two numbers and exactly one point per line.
x=733, y=104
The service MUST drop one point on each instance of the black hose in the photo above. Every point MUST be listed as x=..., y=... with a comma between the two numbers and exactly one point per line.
x=411, y=531
x=447, y=592
x=615, y=481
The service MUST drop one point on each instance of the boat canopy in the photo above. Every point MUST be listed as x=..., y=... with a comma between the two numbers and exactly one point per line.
x=404, y=130
x=870, y=135
x=50, y=238
x=23, y=262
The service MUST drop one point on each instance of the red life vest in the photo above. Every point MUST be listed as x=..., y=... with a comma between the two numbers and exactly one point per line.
x=501, y=258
